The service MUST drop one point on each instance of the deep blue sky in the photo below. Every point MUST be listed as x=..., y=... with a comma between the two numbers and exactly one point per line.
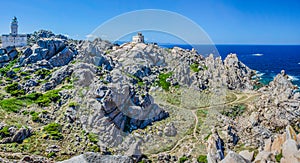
x=225, y=21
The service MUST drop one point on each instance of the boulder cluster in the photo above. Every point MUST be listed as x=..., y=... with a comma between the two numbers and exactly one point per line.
x=281, y=148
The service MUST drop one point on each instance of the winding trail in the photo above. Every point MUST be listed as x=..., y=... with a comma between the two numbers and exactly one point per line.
x=196, y=124
x=240, y=99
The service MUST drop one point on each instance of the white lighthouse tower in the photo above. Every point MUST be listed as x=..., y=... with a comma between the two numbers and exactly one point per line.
x=13, y=38
x=14, y=26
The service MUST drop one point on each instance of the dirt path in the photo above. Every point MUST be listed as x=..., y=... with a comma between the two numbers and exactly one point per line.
x=240, y=99
x=196, y=124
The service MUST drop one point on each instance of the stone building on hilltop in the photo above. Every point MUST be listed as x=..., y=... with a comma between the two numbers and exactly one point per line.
x=14, y=39
x=138, y=38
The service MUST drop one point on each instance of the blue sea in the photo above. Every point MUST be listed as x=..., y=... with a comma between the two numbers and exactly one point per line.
x=268, y=60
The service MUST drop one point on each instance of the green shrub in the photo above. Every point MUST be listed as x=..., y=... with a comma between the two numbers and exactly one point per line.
x=8, y=79
x=278, y=157
x=69, y=86
x=16, y=70
x=5, y=69
x=93, y=137
x=32, y=96
x=43, y=73
x=195, y=67
x=11, y=87
x=27, y=77
x=140, y=83
x=95, y=148
x=45, y=112
x=14, y=90
x=2, y=96
x=235, y=111
x=202, y=159
x=48, y=97
x=162, y=81
x=73, y=104
x=25, y=112
x=35, y=116
x=183, y=159
x=24, y=73
x=51, y=154
x=4, y=132
x=54, y=130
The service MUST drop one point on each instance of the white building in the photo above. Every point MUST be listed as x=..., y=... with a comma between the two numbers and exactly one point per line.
x=14, y=39
x=138, y=38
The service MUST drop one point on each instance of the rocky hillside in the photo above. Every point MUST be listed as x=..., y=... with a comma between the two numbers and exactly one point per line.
x=135, y=102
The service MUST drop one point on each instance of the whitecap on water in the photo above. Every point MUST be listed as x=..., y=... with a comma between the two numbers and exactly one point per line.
x=258, y=75
x=293, y=78
x=257, y=55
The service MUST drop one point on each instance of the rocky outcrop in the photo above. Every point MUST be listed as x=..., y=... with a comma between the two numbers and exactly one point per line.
x=238, y=74
x=279, y=103
x=211, y=72
x=15, y=135
x=285, y=144
x=233, y=157
x=127, y=109
x=215, y=147
x=54, y=50
x=170, y=130
x=37, y=35
x=58, y=77
x=284, y=148
x=62, y=58
x=94, y=53
x=95, y=157
x=7, y=54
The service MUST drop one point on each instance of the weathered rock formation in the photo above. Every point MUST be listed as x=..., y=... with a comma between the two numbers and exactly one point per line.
x=55, y=51
x=8, y=54
x=14, y=134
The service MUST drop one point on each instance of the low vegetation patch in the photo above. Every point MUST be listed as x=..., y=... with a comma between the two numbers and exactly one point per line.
x=68, y=86
x=162, y=81
x=15, y=104
x=12, y=104
x=35, y=116
x=73, y=104
x=202, y=159
x=234, y=111
x=14, y=89
x=183, y=159
x=195, y=67
x=4, y=132
x=5, y=69
x=94, y=148
x=54, y=131
x=48, y=97
x=93, y=137
x=43, y=73
x=24, y=73
x=278, y=157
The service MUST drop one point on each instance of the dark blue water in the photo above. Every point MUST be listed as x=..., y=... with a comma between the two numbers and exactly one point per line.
x=269, y=60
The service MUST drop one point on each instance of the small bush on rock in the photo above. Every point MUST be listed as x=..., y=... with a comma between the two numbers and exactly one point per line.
x=162, y=81
x=202, y=159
